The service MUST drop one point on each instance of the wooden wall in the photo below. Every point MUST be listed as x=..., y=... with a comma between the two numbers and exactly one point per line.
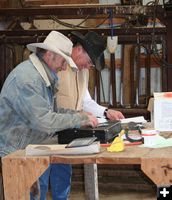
x=29, y=3
x=115, y=178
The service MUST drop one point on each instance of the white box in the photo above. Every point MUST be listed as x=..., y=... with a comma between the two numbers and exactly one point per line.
x=162, y=111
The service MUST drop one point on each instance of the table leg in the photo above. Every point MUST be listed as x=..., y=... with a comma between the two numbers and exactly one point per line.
x=91, y=181
x=159, y=170
x=20, y=173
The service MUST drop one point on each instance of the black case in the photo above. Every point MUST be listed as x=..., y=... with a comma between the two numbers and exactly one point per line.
x=105, y=133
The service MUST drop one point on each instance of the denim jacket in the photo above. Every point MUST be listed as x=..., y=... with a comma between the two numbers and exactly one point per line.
x=27, y=111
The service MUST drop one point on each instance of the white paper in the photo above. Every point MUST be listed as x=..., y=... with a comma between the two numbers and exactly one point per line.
x=139, y=119
x=163, y=114
x=57, y=149
x=159, y=142
x=101, y=120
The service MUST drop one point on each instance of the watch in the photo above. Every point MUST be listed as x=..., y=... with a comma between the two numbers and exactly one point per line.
x=105, y=113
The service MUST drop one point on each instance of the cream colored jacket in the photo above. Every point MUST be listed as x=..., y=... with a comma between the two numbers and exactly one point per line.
x=73, y=92
x=72, y=88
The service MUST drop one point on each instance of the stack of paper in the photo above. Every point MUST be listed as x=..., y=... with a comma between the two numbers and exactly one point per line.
x=57, y=149
x=139, y=119
x=101, y=120
x=160, y=142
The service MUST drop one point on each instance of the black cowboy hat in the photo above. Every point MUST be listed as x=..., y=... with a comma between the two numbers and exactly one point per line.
x=93, y=43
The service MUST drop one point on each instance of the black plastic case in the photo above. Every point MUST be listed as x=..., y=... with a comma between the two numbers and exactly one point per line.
x=105, y=133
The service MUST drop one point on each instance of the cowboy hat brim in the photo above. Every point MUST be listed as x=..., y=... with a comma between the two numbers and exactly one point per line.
x=32, y=47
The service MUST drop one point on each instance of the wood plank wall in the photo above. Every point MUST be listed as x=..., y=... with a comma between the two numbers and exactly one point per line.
x=115, y=178
x=29, y=3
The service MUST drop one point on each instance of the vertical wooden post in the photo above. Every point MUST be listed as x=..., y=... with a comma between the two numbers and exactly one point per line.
x=91, y=182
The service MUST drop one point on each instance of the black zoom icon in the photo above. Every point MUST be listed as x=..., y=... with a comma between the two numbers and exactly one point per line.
x=164, y=192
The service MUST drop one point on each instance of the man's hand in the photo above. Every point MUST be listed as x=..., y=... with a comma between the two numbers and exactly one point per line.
x=92, y=120
x=114, y=115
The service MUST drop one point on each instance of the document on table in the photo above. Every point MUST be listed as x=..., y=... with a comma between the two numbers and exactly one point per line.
x=139, y=119
x=101, y=120
x=160, y=142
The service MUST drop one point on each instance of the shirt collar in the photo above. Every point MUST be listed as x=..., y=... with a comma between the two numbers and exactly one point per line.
x=39, y=66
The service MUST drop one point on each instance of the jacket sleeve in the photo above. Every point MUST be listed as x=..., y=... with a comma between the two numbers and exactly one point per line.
x=89, y=105
x=37, y=112
x=66, y=110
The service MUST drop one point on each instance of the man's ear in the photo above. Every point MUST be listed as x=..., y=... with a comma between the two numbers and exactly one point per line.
x=48, y=56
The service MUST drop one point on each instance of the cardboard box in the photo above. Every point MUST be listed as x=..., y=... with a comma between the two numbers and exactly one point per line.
x=150, y=108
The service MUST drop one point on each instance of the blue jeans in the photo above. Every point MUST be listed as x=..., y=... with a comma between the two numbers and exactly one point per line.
x=59, y=176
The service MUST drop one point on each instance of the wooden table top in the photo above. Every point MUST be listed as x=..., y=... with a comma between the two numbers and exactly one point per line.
x=130, y=155
x=21, y=171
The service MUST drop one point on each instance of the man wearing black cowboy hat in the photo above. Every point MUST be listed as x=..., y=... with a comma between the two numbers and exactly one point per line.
x=73, y=88
x=73, y=93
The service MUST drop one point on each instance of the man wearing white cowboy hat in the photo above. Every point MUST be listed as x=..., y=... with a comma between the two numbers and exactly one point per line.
x=28, y=112
x=73, y=93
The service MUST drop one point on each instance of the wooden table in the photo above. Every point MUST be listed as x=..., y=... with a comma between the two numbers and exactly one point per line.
x=20, y=171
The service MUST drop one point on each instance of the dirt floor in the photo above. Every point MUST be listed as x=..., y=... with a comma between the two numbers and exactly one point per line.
x=116, y=195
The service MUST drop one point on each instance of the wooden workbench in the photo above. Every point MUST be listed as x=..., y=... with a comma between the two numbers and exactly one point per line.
x=20, y=171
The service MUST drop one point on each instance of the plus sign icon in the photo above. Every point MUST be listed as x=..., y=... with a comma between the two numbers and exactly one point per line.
x=164, y=192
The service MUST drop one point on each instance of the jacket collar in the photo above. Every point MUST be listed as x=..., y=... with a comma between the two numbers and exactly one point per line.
x=38, y=65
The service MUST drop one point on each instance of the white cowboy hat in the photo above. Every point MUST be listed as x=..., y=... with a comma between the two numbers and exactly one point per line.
x=57, y=43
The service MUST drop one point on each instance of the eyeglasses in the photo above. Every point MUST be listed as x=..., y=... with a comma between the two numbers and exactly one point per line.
x=89, y=61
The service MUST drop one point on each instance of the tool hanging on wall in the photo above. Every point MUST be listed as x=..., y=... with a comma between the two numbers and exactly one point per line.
x=137, y=72
x=135, y=77
x=147, y=73
x=112, y=42
x=122, y=77
x=100, y=65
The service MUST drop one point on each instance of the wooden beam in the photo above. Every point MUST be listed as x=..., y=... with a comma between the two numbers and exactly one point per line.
x=81, y=9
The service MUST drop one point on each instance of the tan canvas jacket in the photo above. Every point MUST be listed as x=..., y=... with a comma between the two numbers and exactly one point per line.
x=72, y=88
